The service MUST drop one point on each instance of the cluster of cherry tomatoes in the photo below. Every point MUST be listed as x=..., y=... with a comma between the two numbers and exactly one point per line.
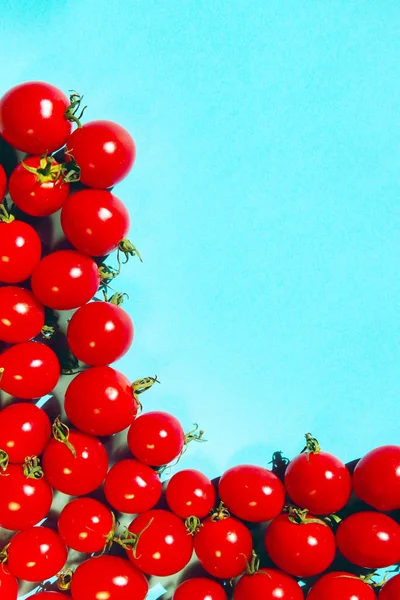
x=311, y=527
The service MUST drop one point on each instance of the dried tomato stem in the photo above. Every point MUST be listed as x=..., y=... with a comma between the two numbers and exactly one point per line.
x=142, y=385
x=5, y=215
x=117, y=298
x=129, y=540
x=4, y=554
x=126, y=248
x=312, y=445
x=64, y=579
x=220, y=513
x=32, y=468
x=61, y=434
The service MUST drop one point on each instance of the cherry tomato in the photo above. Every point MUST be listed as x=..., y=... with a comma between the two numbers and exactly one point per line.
x=3, y=183
x=85, y=525
x=131, y=487
x=65, y=279
x=268, y=584
x=369, y=539
x=32, y=117
x=156, y=438
x=8, y=584
x=109, y=405
x=22, y=316
x=339, y=585
x=95, y=221
x=383, y=492
x=25, y=430
x=199, y=588
x=100, y=333
x=391, y=589
x=20, y=251
x=75, y=475
x=48, y=596
x=104, y=151
x=36, y=554
x=108, y=577
x=164, y=546
x=252, y=493
x=190, y=494
x=31, y=370
x=304, y=550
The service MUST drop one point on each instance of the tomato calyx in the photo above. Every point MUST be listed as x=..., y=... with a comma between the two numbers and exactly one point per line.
x=193, y=525
x=48, y=331
x=64, y=579
x=129, y=540
x=4, y=554
x=191, y=436
x=4, y=460
x=48, y=169
x=312, y=445
x=299, y=516
x=5, y=214
x=32, y=468
x=107, y=275
x=220, y=513
x=117, y=298
x=75, y=105
x=61, y=434
x=126, y=248
x=142, y=385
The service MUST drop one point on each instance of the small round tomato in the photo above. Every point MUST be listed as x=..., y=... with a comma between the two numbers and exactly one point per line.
x=22, y=316
x=252, y=493
x=369, y=539
x=25, y=430
x=95, y=221
x=383, y=492
x=100, y=333
x=199, y=588
x=36, y=554
x=164, y=546
x=108, y=577
x=31, y=370
x=20, y=251
x=131, y=487
x=48, y=596
x=3, y=183
x=339, y=585
x=8, y=584
x=391, y=589
x=33, y=119
x=85, y=525
x=267, y=584
x=109, y=405
x=156, y=438
x=190, y=494
x=65, y=280
x=104, y=151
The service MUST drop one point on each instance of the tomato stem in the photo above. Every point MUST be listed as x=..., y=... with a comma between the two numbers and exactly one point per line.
x=4, y=554
x=5, y=215
x=32, y=468
x=142, y=385
x=128, y=249
x=193, y=525
x=64, y=579
x=191, y=436
x=117, y=298
x=129, y=540
x=4, y=460
x=220, y=513
x=300, y=516
x=75, y=105
x=61, y=434
x=48, y=331
x=312, y=445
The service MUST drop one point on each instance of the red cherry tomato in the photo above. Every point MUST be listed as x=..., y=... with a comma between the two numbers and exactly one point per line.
x=109, y=405
x=31, y=370
x=156, y=438
x=164, y=547
x=48, y=596
x=85, y=525
x=65, y=279
x=104, y=151
x=268, y=584
x=100, y=333
x=190, y=494
x=302, y=550
x=95, y=221
x=252, y=493
x=20, y=251
x=22, y=316
x=390, y=591
x=25, y=430
x=36, y=554
x=8, y=585
x=199, y=588
x=383, y=492
x=369, y=539
x=108, y=577
x=32, y=117
x=339, y=585
x=3, y=185
x=131, y=487
x=75, y=475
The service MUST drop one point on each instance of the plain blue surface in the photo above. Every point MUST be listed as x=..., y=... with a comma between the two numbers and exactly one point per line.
x=264, y=199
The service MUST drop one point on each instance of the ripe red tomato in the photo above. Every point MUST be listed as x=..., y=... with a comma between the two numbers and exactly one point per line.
x=268, y=584
x=118, y=580
x=32, y=117
x=3, y=183
x=131, y=487
x=22, y=316
x=109, y=404
x=301, y=549
x=391, y=589
x=25, y=430
x=104, y=151
x=65, y=279
x=190, y=494
x=85, y=525
x=99, y=333
x=164, y=547
x=95, y=221
x=31, y=370
x=156, y=438
x=252, y=493
x=20, y=251
x=383, y=493
x=339, y=585
x=199, y=588
x=48, y=596
x=8, y=584
x=75, y=475
x=369, y=539
x=36, y=554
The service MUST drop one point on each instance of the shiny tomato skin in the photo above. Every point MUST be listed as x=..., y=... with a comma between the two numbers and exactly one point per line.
x=31, y=370
x=65, y=280
x=190, y=494
x=99, y=333
x=20, y=251
x=95, y=221
x=48, y=596
x=199, y=588
x=369, y=539
x=85, y=524
x=36, y=554
x=252, y=493
x=132, y=487
x=383, y=492
x=339, y=585
x=391, y=589
x=119, y=580
x=164, y=548
x=22, y=315
x=100, y=401
x=267, y=584
x=79, y=475
x=222, y=547
x=25, y=430
x=156, y=438
x=3, y=183
x=8, y=584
